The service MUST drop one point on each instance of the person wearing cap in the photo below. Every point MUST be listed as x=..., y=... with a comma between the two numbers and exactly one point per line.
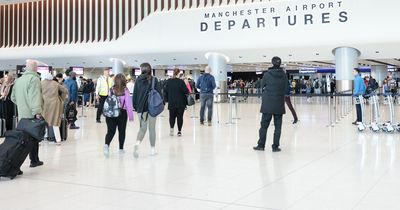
x=54, y=96
x=359, y=89
x=27, y=95
x=274, y=86
x=206, y=84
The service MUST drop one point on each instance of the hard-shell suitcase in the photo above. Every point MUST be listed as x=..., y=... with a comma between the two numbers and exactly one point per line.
x=13, y=152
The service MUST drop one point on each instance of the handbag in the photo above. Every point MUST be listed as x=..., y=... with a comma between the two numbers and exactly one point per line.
x=190, y=100
x=34, y=127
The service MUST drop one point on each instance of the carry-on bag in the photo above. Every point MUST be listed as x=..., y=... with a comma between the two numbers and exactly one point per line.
x=64, y=129
x=34, y=127
x=2, y=127
x=13, y=152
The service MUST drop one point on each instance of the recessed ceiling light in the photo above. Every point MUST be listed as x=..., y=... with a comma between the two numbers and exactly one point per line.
x=377, y=52
x=100, y=61
x=195, y=59
x=154, y=59
x=316, y=53
x=174, y=59
x=290, y=55
x=264, y=56
x=136, y=60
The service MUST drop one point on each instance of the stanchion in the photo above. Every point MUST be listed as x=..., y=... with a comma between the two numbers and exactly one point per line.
x=193, y=112
x=230, y=120
x=236, y=108
x=329, y=112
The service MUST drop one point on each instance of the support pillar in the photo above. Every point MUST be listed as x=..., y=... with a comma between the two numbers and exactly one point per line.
x=379, y=73
x=218, y=63
x=346, y=59
x=118, y=66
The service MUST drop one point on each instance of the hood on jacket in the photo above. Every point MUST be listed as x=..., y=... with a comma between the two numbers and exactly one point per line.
x=276, y=72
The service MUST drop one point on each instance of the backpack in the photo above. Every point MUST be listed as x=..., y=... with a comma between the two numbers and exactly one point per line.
x=316, y=86
x=112, y=106
x=155, y=101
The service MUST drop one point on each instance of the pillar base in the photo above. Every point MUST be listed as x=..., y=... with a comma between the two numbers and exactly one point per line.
x=344, y=85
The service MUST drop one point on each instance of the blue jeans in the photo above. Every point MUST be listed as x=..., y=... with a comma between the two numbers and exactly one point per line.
x=86, y=97
x=206, y=99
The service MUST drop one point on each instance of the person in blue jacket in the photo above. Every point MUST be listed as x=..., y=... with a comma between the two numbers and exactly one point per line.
x=72, y=87
x=359, y=89
x=206, y=84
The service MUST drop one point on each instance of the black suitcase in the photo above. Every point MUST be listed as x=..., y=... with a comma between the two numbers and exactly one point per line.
x=2, y=127
x=13, y=152
x=64, y=129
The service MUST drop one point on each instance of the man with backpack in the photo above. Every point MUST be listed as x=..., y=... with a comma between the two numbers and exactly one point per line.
x=206, y=84
x=317, y=86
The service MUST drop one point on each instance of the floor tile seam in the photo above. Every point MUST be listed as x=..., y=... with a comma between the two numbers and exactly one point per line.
x=372, y=187
x=294, y=171
x=136, y=191
x=251, y=206
x=317, y=187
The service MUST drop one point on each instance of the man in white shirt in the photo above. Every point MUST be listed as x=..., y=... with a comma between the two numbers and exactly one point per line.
x=130, y=86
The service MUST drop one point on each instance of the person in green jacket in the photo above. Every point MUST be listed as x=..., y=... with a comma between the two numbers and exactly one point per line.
x=27, y=95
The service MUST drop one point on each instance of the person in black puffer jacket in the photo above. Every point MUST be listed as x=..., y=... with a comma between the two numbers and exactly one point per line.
x=274, y=86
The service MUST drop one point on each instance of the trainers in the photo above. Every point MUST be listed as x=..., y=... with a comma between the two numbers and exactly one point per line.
x=171, y=132
x=209, y=123
x=276, y=149
x=36, y=164
x=121, y=151
x=201, y=123
x=135, y=151
x=106, y=150
x=153, y=151
x=258, y=148
x=179, y=134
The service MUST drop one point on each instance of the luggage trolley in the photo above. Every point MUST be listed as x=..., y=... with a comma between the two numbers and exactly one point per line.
x=389, y=126
x=360, y=100
x=374, y=110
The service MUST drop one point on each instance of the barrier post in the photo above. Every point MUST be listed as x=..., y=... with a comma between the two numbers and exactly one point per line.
x=230, y=120
x=329, y=112
x=236, y=108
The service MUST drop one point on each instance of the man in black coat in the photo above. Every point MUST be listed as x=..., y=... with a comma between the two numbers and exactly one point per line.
x=274, y=87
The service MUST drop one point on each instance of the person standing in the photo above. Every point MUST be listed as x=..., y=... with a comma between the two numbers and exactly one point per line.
x=6, y=105
x=290, y=105
x=72, y=88
x=140, y=104
x=87, y=90
x=206, y=84
x=54, y=96
x=274, y=85
x=359, y=89
x=27, y=95
x=131, y=85
x=175, y=94
x=121, y=91
x=104, y=83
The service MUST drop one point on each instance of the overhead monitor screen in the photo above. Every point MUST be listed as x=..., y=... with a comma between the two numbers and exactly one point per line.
x=170, y=73
x=43, y=69
x=78, y=70
x=138, y=72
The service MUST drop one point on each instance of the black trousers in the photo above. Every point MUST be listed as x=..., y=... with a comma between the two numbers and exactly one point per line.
x=359, y=113
x=100, y=108
x=291, y=108
x=176, y=113
x=34, y=154
x=117, y=122
x=265, y=121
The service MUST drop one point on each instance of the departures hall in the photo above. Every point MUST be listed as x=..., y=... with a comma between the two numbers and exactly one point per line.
x=199, y=105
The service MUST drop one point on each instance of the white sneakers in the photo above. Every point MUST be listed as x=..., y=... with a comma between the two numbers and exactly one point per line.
x=135, y=151
x=106, y=150
x=153, y=151
x=171, y=132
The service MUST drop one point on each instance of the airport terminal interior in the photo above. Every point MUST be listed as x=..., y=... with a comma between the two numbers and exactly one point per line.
x=333, y=67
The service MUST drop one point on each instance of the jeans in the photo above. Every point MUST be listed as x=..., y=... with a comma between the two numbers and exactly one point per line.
x=86, y=98
x=265, y=121
x=176, y=113
x=147, y=120
x=112, y=124
x=206, y=99
x=359, y=113
x=100, y=108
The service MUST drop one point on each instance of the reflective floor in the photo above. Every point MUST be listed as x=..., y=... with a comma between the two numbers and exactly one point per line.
x=215, y=167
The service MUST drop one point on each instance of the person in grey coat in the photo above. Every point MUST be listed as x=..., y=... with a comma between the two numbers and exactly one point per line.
x=274, y=87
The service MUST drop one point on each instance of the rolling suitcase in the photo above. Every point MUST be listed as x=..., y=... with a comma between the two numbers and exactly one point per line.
x=64, y=129
x=13, y=152
x=2, y=127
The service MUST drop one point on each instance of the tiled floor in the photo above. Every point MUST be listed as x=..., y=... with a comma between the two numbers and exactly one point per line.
x=215, y=168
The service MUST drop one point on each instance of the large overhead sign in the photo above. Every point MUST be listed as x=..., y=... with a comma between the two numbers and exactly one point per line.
x=258, y=16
